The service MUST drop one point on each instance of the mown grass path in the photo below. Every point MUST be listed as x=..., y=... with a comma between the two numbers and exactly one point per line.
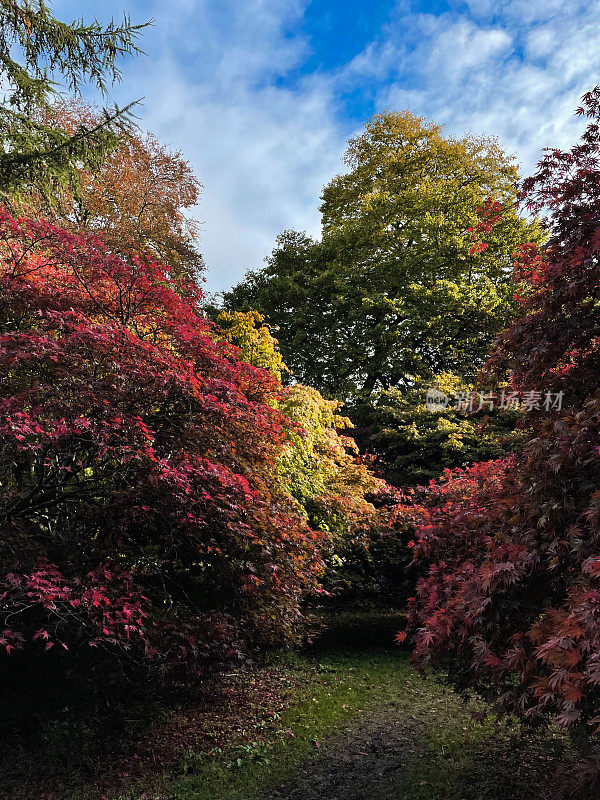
x=363, y=725
x=346, y=719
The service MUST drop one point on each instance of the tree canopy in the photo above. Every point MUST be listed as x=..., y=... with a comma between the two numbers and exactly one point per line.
x=413, y=443
x=138, y=196
x=395, y=287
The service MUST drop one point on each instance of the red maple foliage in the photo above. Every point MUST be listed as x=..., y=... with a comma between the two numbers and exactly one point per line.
x=135, y=455
x=511, y=602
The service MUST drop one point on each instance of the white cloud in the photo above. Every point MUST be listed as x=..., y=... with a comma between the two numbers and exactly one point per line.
x=263, y=158
x=515, y=70
x=541, y=42
x=264, y=147
x=263, y=152
x=527, y=12
x=461, y=48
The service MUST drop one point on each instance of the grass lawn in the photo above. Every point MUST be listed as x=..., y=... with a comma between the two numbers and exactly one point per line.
x=353, y=708
x=346, y=718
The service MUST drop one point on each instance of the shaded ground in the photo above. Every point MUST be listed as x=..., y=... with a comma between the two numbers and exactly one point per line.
x=367, y=763
x=347, y=719
x=430, y=749
x=371, y=757
x=423, y=744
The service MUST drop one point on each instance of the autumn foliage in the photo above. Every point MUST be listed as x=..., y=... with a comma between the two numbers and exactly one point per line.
x=139, y=196
x=162, y=495
x=136, y=456
x=511, y=602
x=320, y=466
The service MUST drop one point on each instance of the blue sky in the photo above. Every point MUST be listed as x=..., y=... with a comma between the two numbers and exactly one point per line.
x=261, y=95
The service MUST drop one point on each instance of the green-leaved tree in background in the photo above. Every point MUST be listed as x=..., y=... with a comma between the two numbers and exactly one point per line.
x=392, y=289
x=395, y=296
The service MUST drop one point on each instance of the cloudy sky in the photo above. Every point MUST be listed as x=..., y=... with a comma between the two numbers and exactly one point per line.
x=261, y=95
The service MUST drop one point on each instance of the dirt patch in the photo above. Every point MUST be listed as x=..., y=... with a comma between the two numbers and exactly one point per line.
x=369, y=761
x=428, y=744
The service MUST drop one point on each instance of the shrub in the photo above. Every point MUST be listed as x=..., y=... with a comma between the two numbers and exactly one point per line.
x=511, y=602
x=136, y=456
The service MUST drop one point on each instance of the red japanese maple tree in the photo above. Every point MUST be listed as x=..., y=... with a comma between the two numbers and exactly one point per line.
x=136, y=507
x=511, y=602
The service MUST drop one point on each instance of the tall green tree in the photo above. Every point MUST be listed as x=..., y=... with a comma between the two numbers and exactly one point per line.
x=39, y=55
x=395, y=289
